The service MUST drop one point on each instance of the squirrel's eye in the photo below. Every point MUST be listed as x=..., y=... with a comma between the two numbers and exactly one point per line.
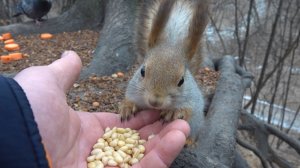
x=180, y=82
x=143, y=71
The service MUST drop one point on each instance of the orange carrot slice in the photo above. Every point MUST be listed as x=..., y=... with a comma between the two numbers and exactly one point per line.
x=1, y=38
x=46, y=36
x=5, y=58
x=6, y=36
x=12, y=47
x=10, y=41
x=16, y=56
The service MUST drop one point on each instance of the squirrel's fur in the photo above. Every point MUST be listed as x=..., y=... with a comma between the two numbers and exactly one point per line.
x=191, y=19
x=168, y=37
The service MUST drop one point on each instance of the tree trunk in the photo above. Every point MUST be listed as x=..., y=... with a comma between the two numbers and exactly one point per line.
x=6, y=11
x=114, y=51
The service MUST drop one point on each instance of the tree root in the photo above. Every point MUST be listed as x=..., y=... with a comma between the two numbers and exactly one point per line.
x=261, y=131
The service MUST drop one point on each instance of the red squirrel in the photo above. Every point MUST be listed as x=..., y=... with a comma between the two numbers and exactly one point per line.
x=168, y=37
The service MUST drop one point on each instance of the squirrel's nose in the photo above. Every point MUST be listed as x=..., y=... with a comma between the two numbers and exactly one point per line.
x=155, y=103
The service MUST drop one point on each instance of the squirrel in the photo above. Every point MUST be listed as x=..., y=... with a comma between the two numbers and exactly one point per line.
x=168, y=36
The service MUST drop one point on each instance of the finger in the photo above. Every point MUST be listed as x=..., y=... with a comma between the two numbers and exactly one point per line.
x=140, y=120
x=179, y=125
x=67, y=69
x=162, y=129
x=165, y=151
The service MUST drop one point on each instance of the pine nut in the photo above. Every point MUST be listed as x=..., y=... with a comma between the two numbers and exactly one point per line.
x=140, y=156
x=100, y=155
x=107, y=134
x=105, y=160
x=123, y=154
x=99, y=145
x=91, y=158
x=121, y=147
x=101, y=140
x=142, y=141
x=108, y=153
x=124, y=148
x=121, y=143
x=121, y=130
x=135, y=137
x=112, y=163
x=114, y=135
x=141, y=148
x=133, y=161
x=91, y=165
x=127, y=158
x=119, y=159
x=98, y=162
x=130, y=141
x=130, y=145
x=107, y=129
x=96, y=151
x=113, y=143
x=124, y=165
x=100, y=166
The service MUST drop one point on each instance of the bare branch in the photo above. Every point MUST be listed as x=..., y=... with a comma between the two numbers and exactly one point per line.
x=266, y=58
x=242, y=57
x=254, y=150
x=218, y=33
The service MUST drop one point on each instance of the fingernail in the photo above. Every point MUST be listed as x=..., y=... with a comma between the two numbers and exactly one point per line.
x=66, y=53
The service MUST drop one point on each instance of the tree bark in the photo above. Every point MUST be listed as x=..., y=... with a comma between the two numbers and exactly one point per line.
x=215, y=146
x=6, y=11
x=114, y=51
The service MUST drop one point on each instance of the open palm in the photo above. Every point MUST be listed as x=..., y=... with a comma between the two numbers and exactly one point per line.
x=69, y=135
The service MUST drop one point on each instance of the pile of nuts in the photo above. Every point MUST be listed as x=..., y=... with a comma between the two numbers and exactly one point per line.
x=118, y=147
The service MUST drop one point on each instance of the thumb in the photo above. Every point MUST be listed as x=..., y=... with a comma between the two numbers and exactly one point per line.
x=67, y=69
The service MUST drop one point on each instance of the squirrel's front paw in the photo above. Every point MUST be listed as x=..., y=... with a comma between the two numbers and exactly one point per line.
x=170, y=115
x=127, y=109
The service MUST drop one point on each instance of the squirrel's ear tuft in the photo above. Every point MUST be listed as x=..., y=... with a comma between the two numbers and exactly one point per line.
x=197, y=27
x=160, y=21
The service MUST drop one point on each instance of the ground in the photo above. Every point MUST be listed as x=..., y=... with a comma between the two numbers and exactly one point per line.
x=96, y=93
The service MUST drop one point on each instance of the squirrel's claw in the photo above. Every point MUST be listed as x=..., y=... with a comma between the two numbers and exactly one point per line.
x=166, y=116
x=127, y=109
x=190, y=142
x=170, y=115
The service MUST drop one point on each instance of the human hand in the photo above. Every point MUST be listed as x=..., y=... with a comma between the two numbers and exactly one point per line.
x=69, y=135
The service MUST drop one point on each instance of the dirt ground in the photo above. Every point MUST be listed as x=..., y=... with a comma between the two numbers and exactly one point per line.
x=97, y=93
